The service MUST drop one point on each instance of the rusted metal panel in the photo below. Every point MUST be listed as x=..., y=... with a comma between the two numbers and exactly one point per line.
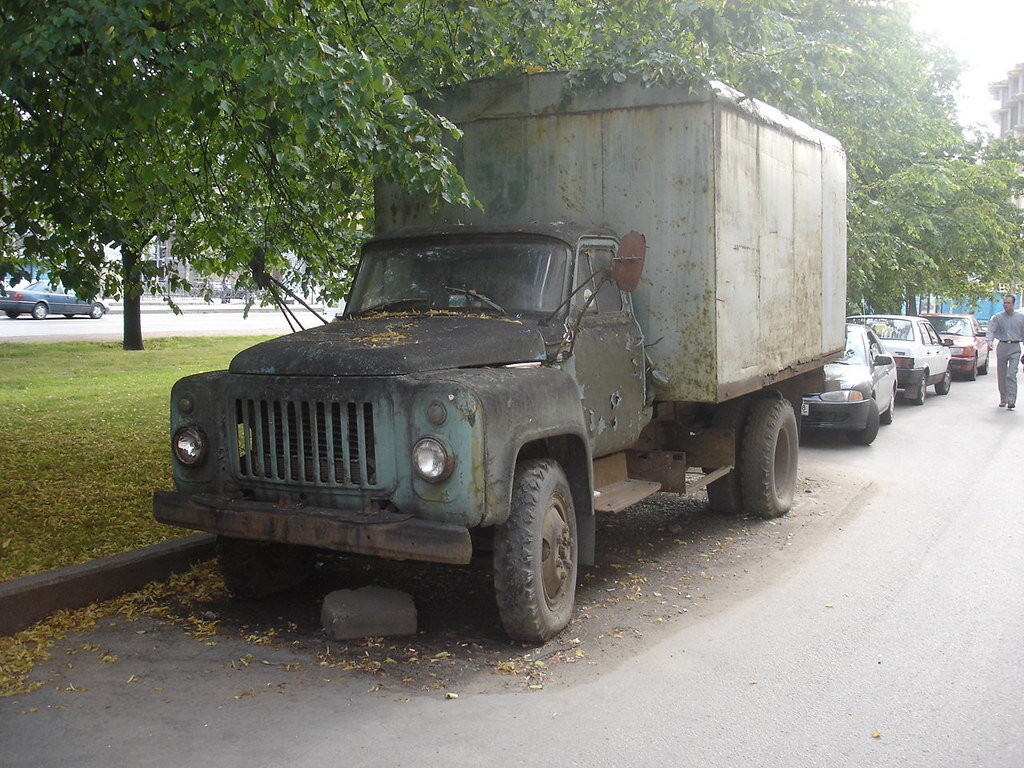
x=368, y=532
x=741, y=205
x=625, y=493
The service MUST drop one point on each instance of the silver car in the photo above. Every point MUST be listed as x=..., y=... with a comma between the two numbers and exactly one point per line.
x=41, y=299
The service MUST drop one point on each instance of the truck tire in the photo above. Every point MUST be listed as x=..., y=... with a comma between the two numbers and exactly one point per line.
x=768, y=458
x=536, y=554
x=867, y=435
x=724, y=495
x=255, y=569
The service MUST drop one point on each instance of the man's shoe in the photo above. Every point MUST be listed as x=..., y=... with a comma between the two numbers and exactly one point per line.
x=1010, y=406
x=1002, y=405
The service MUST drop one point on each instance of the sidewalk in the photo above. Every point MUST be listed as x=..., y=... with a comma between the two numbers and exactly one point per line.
x=191, y=305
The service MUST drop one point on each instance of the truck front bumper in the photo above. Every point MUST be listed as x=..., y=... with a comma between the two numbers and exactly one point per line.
x=390, y=535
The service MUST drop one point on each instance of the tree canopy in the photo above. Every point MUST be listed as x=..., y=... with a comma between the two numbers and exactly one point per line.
x=251, y=129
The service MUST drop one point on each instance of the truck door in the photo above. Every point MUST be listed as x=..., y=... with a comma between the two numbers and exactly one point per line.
x=607, y=357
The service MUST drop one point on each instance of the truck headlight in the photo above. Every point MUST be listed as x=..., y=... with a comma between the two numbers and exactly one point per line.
x=190, y=446
x=431, y=459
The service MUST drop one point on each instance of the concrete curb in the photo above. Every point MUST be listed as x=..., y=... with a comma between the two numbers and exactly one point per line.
x=26, y=600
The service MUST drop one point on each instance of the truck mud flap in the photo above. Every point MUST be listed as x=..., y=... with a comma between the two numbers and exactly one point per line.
x=384, y=534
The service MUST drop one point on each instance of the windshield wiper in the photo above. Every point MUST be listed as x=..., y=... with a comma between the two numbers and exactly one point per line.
x=477, y=295
x=393, y=304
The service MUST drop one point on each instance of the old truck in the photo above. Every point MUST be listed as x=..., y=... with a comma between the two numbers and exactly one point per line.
x=654, y=279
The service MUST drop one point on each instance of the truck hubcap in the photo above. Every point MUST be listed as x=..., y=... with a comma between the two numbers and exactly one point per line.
x=556, y=550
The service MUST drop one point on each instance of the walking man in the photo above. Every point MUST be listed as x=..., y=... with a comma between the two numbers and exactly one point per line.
x=1008, y=328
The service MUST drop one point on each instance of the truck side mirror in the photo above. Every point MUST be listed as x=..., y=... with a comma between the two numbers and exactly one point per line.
x=628, y=264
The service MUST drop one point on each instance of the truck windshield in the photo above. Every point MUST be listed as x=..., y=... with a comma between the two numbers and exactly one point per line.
x=519, y=276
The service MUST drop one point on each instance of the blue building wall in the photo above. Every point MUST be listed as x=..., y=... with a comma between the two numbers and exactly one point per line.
x=983, y=309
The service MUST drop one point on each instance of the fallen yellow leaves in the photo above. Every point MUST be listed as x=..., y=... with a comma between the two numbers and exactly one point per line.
x=21, y=652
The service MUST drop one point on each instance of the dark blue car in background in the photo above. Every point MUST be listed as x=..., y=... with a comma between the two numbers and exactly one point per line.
x=41, y=299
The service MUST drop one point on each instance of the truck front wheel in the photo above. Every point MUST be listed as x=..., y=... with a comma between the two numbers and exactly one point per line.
x=768, y=458
x=254, y=569
x=535, y=554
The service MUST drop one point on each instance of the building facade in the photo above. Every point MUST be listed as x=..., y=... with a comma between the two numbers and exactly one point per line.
x=1009, y=117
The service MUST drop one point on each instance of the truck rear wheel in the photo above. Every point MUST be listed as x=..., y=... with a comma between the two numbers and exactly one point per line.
x=768, y=458
x=724, y=495
x=535, y=554
x=254, y=569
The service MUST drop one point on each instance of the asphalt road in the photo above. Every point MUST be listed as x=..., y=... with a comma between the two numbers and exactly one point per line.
x=157, y=320
x=883, y=627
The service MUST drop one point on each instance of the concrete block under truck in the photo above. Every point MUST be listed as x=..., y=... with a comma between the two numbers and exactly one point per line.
x=655, y=279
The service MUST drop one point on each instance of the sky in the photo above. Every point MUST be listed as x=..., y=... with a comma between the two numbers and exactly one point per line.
x=986, y=35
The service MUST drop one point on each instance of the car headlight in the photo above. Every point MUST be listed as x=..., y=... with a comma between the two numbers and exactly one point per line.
x=842, y=396
x=190, y=446
x=431, y=459
x=958, y=350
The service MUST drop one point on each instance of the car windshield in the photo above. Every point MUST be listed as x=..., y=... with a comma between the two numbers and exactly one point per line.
x=513, y=275
x=889, y=328
x=855, y=353
x=954, y=325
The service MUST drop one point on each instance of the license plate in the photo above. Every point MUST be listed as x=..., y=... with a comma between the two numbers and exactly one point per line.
x=804, y=409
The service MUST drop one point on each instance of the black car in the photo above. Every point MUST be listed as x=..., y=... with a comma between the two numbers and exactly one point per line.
x=860, y=389
x=41, y=299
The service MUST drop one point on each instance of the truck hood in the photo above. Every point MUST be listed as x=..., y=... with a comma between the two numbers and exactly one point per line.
x=394, y=345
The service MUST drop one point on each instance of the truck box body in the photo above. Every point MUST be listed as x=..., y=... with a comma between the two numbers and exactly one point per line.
x=742, y=206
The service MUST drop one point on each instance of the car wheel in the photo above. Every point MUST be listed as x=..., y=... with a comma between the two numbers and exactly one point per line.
x=887, y=415
x=942, y=385
x=40, y=311
x=972, y=374
x=535, y=554
x=96, y=311
x=12, y=315
x=867, y=435
x=915, y=396
x=983, y=369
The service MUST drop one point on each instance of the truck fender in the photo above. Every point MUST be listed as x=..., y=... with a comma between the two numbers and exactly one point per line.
x=572, y=453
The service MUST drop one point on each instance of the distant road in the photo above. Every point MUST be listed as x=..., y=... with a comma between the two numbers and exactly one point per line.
x=198, y=320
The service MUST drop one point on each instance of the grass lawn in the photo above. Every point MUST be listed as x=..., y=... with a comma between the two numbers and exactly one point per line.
x=84, y=443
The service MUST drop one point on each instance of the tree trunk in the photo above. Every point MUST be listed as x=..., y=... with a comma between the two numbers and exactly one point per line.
x=911, y=303
x=132, y=287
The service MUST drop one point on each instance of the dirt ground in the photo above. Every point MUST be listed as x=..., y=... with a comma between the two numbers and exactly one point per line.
x=665, y=561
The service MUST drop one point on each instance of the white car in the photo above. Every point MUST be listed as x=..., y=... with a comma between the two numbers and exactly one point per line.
x=922, y=358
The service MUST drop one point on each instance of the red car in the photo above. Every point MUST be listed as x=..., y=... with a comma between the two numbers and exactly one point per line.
x=970, y=349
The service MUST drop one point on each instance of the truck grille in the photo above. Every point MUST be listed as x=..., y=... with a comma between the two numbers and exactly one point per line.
x=318, y=443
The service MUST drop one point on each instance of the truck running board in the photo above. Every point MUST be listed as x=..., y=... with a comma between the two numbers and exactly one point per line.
x=617, y=496
x=694, y=482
